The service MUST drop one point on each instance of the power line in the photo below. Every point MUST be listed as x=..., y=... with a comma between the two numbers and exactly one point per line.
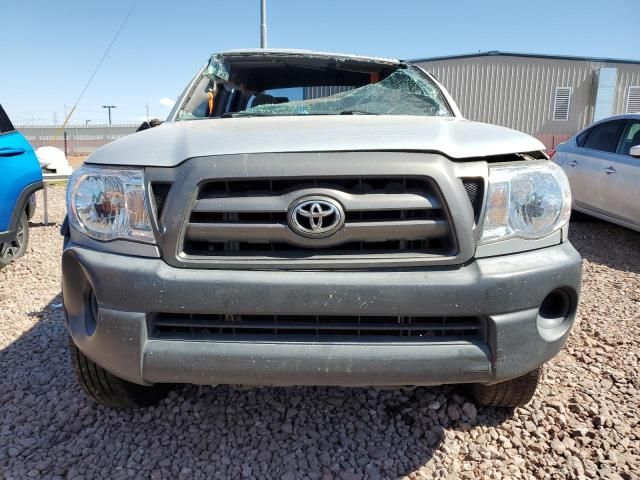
x=133, y=6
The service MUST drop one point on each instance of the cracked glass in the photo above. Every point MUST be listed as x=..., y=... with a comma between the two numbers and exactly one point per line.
x=404, y=92
x=284, y=87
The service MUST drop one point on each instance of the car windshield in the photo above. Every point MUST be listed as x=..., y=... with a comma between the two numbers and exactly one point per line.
x=288, y=85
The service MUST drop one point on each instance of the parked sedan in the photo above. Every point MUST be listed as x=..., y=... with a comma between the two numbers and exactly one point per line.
x=603, y=166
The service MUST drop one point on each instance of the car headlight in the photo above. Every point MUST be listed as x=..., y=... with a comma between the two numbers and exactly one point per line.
x=109, y=203
x=529, y=201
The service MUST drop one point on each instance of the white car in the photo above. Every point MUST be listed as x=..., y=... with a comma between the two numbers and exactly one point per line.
x=603, y=165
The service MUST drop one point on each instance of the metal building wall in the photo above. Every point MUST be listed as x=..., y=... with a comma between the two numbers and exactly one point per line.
x=518, y=92
x=323, y=91
x=628, y=75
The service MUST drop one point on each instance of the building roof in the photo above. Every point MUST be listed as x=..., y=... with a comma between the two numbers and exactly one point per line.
x=492, y=53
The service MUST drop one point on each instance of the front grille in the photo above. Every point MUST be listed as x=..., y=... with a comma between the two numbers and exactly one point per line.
x=382, y=215
x=183, y=326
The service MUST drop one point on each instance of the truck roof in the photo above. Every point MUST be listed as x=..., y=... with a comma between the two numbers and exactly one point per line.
x=306, y=53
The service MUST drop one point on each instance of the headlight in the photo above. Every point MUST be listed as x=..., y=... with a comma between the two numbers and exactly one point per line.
x=529, y=201
x=109, y=203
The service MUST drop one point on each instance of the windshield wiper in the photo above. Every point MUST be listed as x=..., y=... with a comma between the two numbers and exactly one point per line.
x=261, y=114
x=357, y=112
x=290, y=114
x=242, y=114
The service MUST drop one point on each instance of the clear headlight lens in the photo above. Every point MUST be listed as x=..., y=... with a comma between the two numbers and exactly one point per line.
x=529, y=201
x=109, y=203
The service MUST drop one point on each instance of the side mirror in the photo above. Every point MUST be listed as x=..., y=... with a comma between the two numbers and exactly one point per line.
x=635, y=151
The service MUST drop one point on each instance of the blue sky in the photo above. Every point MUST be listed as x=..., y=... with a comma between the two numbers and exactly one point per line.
x=49, y=49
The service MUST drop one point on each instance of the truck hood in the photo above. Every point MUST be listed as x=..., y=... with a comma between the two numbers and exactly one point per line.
x=174, y=142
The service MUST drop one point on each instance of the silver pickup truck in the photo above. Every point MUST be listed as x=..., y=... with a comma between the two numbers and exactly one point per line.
x=317, y=219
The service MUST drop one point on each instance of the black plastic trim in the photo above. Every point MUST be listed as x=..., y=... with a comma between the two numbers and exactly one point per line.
x=21, y=205
x=189, y=175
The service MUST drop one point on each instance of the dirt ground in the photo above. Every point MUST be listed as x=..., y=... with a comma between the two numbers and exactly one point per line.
x=583, y=422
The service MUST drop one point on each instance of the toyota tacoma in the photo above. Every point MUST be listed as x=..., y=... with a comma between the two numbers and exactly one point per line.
x=306, y=218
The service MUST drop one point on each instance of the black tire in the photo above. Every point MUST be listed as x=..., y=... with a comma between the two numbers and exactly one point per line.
x=516, y=392
x=109, y=390
x=10, y=251
x=577, y=216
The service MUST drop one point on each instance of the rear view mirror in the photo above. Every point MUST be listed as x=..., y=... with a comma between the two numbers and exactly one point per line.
x=635, y=151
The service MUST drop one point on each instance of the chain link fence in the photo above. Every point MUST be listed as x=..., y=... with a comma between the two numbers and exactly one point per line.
x=75, y=141
x=551, y=140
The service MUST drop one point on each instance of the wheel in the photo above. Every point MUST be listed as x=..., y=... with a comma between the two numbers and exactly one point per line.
x=577, y=216
x=109, y=390
x=516, y=392
x=9, y=251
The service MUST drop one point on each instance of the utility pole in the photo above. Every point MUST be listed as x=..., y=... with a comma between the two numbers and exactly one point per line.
x=87, y=122
x=263, y=23
x=109, y=107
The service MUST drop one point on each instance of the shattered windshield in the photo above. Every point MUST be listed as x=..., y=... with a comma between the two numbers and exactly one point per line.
x=242, y=87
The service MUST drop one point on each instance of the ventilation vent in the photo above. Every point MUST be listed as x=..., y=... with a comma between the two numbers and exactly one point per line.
x=561, y=103
x=314, y=328
x=633, y=99
x=383, y=215
x=160, y=192
x=475, y=191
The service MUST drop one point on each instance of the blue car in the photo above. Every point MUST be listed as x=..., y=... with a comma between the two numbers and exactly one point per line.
x=20, y=178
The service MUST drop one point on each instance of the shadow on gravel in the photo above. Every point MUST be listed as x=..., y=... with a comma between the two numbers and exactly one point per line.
x=56, y=223
x=48, y=427
x=605, y=243
x=41, y=224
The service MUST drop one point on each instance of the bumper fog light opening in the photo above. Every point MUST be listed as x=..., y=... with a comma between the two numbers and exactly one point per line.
x=554, y=309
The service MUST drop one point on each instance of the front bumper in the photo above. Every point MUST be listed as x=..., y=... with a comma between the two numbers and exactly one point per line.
x=507, y=291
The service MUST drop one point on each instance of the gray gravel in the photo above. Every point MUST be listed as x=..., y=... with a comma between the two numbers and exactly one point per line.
x=582, y=424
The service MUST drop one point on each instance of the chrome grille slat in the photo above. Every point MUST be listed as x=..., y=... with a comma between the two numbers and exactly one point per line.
x=280, y=203
x=351, y=232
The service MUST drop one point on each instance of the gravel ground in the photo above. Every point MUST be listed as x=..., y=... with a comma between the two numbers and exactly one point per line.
x=582, y=424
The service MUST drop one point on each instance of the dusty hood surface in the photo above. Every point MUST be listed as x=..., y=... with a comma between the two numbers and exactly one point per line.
x=174, y=142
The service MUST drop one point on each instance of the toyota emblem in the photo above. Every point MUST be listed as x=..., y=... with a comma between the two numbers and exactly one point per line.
x=316, y=217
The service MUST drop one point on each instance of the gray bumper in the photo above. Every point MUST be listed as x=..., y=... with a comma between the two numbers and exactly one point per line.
x=506, y=290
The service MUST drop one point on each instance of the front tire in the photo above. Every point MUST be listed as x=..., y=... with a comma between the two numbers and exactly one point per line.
x=10, y=251
x=109, y=390
x=516, y=392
